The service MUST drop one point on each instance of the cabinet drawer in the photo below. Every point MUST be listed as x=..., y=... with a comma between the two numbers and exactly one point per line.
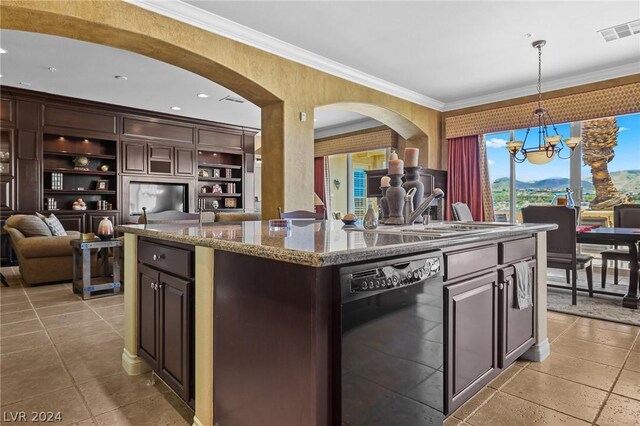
x=511, y=251
x=166, y=258
x=466, y=262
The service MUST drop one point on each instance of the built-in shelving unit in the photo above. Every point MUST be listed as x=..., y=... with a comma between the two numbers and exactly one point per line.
x=220, y=177
x=64, y=181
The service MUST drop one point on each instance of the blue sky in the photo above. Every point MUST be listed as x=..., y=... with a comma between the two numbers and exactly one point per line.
x=627, y=153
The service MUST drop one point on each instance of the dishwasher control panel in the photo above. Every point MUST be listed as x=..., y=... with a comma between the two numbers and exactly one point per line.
x=400, y=273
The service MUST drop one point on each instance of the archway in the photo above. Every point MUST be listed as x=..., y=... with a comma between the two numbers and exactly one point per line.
x=411, y=134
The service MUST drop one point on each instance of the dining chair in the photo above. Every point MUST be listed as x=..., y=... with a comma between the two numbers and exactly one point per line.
x=562, y=244
x=624, y=216
x=461, y=212
x=300, y=214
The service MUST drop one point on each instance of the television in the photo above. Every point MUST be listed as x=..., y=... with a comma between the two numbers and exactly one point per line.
x=157, y=197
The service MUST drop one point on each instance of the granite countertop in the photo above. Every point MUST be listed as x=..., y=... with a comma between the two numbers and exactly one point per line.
x=312, y=243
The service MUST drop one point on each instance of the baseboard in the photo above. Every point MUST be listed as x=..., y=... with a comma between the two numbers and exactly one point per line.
x=133, y=365
x=538, y=352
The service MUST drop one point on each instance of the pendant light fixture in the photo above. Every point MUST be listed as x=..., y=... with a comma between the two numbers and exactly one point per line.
x=549, y=146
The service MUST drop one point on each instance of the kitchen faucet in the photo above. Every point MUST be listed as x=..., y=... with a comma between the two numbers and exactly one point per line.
x=435, y=195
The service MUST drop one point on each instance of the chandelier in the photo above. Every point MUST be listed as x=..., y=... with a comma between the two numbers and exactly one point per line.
x=549, y=146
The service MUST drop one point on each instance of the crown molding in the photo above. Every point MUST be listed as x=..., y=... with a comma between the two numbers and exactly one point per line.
x=548, y=86
x=208, y=21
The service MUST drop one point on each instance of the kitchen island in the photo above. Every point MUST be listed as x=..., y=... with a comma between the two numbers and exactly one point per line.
x=263, y=318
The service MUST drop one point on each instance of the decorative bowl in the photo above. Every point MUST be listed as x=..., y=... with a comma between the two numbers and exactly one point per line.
x=349, y=221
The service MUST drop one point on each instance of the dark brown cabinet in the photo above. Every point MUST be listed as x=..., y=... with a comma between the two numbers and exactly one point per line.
x=516, y=325
x=472, y=337
x=72, y=221
x=160, y=160
x=166, y=314
x=175, y=338
x=148, y=316
x=134, y=157
x=185, y=162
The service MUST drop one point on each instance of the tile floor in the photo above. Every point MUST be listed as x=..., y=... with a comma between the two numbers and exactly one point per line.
x=59, y=353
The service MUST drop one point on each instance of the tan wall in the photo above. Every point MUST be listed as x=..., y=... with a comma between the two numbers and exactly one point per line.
x=281, y=87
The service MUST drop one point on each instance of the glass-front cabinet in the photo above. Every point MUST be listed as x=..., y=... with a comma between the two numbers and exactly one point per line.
x=6, y=152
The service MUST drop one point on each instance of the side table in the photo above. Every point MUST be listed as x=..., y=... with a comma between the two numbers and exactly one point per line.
x=83, y=282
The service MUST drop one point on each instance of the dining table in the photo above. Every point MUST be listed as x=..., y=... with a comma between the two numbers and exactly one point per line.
x=617, y=236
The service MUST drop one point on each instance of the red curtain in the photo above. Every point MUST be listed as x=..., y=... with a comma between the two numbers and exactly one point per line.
x=318, y=182
x=463, y=175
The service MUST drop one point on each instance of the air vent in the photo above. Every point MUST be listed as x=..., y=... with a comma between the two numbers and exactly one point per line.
x=235, y=99
x=621, y=31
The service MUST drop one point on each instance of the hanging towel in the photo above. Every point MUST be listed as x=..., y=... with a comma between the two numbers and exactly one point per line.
x=523, y=286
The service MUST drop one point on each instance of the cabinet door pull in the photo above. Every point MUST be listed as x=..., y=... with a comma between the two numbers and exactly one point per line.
x=499, y=285
x=152, y=285
x=158, y=256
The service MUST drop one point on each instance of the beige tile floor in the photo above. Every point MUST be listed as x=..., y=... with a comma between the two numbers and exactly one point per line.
x=59, y=353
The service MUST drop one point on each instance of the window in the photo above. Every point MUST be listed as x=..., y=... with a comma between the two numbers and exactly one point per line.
x=611, y=153
x=603, y=172
x=498, y=160
x=359, y=193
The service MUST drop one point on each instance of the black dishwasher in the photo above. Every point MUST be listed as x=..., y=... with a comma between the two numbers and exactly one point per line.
x=392, y=342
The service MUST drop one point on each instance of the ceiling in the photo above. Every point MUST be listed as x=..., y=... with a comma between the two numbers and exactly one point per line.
x=87, y=71
x=460, y=53
x=441, y=54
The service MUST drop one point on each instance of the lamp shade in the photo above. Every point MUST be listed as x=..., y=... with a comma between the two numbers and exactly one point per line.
x=572, y=142
x=552, y=140
x=514, y=146
x=316, y=200
x=540, y=156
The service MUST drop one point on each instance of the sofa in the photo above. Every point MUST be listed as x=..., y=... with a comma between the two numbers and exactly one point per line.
x=42, y=258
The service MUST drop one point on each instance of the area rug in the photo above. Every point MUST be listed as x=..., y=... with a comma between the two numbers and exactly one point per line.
x=599, y=306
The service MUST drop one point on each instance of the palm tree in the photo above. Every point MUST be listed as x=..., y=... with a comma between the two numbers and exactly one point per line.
x=600, y=138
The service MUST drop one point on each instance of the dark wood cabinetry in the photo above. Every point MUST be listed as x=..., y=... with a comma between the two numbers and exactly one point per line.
x=41, y=135
x=516, y=325
x=175, y=333
x=166, y=313
x=472, y=336
x=485, y=332
x=220, y=178
x=148, y=316
x=160, y=160
x=185, y=162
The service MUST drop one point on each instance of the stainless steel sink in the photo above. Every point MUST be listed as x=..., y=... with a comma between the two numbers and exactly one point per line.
x=439, y=230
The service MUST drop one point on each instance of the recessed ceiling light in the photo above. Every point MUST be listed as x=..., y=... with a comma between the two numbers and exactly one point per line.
x=203, y=95
x=120, y=77
x=2, y=50
x=52, y=69
x=25, y=83
x=176, y=108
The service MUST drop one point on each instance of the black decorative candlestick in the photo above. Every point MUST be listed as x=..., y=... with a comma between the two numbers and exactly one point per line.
x=413, y=181
x=395, y=199
x=384, y=204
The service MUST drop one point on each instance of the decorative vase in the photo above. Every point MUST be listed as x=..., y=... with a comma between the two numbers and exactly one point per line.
x=384, y=204
x=79, y=204
x=81, y=163
x=105, y=229
x=104, y=167
x=370, y=218
x=395, y=198
x=413, y=181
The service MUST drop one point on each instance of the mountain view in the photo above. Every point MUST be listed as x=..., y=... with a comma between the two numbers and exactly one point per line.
x=542, y=191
